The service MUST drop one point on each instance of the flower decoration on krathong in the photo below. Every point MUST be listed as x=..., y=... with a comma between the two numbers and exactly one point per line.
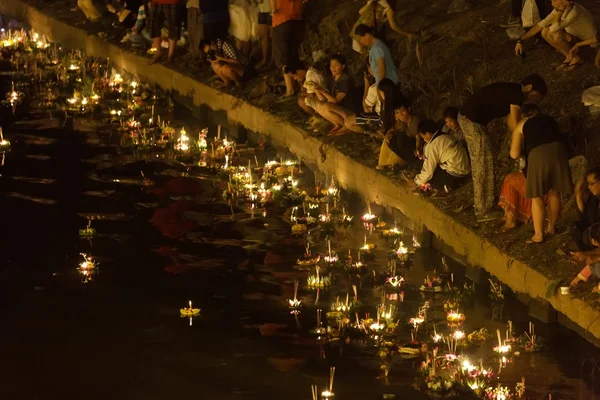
x=453, y=316
x=88, y=231
x=183, y=143
x=294, y=303
x=498, y=393
x=87, y=267
x=395, y=281
x=392, y=233
x=529, y=340
x=202, y=143
x=402, y=252
x=317, y=281
x=299, y=229
x=189, y=311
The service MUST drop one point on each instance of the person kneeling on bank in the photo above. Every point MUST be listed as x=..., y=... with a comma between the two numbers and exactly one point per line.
x=228, y=63
x=592, y=260
x=445, y=159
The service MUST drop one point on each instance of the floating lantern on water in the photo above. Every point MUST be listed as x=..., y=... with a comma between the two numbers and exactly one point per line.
x=320, y=329
x=294, y=303
x=402, y=252
x=183, y=142
x=455, y=317
x=458, y=335
x=189, y=311
x=395, y=281
x=499, y=393
x=88, y=231
x=416, y=321
x=4, y=144
x=317, y=281
x=328, y=394
x=87, y=267
x=73, y=67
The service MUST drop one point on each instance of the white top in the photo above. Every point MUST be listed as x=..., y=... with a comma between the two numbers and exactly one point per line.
x=577, y=21
x=264, y=6
x=313, y=78
x=193, y=4
x=372, y=99
x=448, y=153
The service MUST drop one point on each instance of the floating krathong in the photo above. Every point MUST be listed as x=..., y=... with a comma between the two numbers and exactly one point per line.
x=87, y=267
x=395, y=281
x=402, y=252
x=455, y=317
x=4, y=144
x=183, y=142
x=328, y=394
x=299, y=229
x=294, y=303
x=88, y=231
x=317, y=281
x=189, y=311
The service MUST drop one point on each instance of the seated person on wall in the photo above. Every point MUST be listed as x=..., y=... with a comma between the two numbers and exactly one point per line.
x=587, y=195
x=451, y=124
x=124, y=11
x=446, y=162
x=139, y=35
x=311, y=80
x=403, y=145
x=227, y=62
x=566, y=22
x=592, y=259
x=339, y=100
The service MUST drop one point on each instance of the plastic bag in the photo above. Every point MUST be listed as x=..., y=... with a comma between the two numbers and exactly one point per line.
x=530, y=15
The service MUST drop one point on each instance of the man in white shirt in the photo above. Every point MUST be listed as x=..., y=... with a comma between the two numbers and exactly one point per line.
x=568, y=20
x=445, y=159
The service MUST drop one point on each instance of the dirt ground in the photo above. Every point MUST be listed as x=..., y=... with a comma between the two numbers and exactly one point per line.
x=460, y=53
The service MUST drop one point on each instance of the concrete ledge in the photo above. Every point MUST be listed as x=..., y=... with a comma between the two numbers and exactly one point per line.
x=350, y=174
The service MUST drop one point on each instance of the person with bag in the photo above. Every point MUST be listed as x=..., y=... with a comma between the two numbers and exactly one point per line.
x=494, y=101
x=568, y=22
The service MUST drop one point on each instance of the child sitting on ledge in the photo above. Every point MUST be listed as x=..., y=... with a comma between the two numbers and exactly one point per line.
x=592, y=260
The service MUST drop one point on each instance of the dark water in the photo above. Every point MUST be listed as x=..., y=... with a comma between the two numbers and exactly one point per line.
x=118, y=333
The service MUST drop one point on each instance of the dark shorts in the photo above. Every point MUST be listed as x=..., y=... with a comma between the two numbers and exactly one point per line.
x=286, y=42
x=265, y=19
x=167, y=15
x=214, y=31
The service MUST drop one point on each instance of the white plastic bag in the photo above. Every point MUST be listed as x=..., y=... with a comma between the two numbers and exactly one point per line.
x=530, y=15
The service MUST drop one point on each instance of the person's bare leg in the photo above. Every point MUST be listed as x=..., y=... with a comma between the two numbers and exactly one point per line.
x=172, y=47
x=554, y=205
x=510, y=222
x=220, y=72
x=158, y=54
x=304, y=107
x=538, y=209
x=330, y=113
x=289, y=85
x=263, y=32
x=350, y=124
x=559, y=41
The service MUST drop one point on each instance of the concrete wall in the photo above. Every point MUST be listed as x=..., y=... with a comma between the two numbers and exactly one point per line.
x=350, y=174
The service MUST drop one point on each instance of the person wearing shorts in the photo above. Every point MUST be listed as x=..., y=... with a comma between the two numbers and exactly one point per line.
x=288, y=32
x=164, y=12
x=215, y=18
x=265, y=24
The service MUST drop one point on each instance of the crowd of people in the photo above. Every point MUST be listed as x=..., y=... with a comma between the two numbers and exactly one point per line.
x=436, y=157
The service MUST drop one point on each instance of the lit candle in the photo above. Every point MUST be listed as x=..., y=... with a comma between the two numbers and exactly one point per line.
x=219, y=132
x=329, y=246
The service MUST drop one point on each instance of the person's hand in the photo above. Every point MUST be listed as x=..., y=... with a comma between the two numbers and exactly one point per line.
x=519, y=49
x=573, y=51
x=388, y=137
x=419, y=154
x=575, y=282
x=580, y=188
x=578, y=257
x=412, y=185
x=111, y=8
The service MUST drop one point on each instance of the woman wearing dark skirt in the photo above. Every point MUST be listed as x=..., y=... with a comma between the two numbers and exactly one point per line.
x=548, y=172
